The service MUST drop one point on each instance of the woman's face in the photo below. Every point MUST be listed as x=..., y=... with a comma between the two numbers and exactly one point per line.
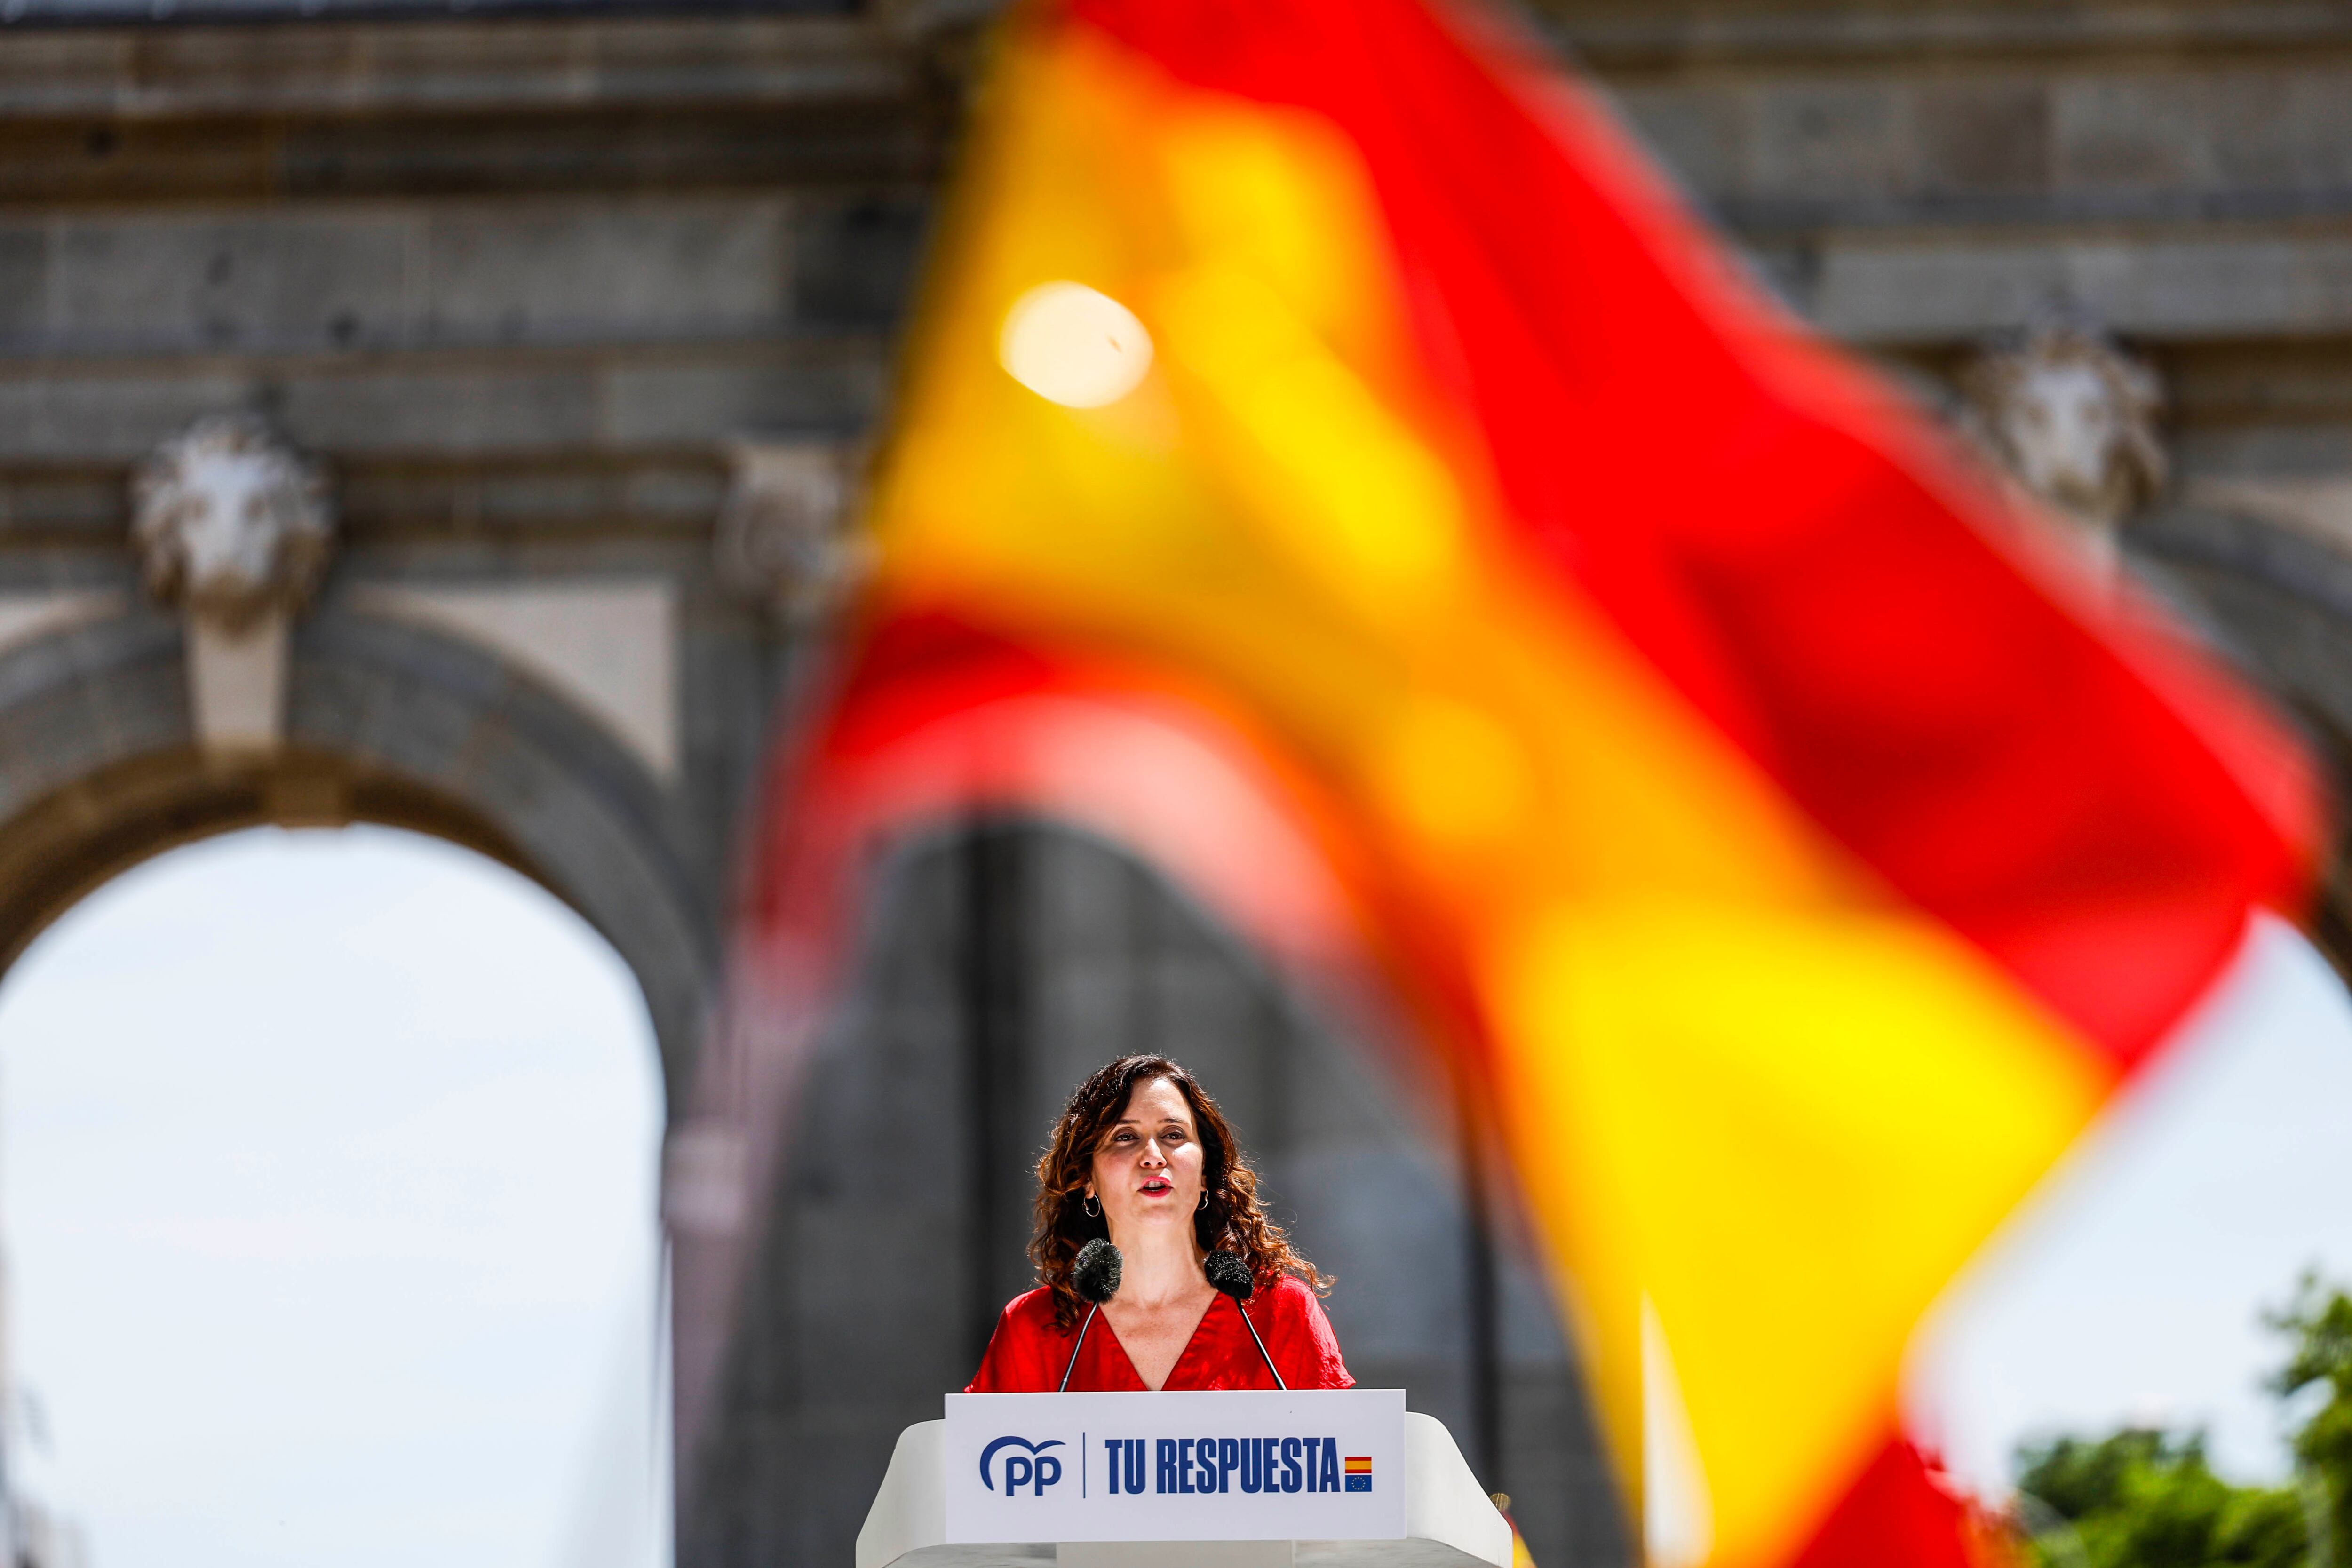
x=1147, y=1169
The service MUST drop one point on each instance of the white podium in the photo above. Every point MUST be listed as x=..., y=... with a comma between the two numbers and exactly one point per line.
x=1311, y=1479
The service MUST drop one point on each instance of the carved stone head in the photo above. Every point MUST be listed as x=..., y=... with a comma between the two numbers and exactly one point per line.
x=783, y=539
x=230, y=523
x=2075, y=420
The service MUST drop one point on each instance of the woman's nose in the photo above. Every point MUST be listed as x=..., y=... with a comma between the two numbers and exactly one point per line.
x=1152, y=1151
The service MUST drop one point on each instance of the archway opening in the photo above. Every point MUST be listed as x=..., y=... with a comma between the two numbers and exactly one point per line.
x=328, y=1169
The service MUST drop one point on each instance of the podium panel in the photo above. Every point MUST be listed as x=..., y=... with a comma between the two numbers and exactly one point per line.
x=1319, y=1463
x=1415, y=1504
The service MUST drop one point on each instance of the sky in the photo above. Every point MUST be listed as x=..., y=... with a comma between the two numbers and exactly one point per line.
x=327, y=1192
x=2130, y=1291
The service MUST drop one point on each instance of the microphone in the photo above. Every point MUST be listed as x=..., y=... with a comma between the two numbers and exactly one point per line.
x=1095, y=1276
x=1229, y=1274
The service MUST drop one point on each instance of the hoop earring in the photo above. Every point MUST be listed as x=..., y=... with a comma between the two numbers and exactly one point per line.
x=1093, y=1209
x=1204, y=1202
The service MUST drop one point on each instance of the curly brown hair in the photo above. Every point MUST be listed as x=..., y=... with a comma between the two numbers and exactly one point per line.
x=1231, y=1219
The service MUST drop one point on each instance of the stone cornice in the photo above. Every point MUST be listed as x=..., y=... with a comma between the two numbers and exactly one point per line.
x=1649, y=37
x=447, y=68
x=449, y=65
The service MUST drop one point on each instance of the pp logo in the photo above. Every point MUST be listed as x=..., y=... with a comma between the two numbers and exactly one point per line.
x=1035, y=1469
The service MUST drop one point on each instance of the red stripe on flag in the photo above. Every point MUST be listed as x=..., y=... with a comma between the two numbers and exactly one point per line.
x=1895, y=1516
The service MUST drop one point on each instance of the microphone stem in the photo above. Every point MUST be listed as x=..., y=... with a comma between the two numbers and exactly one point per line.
x=1261, y=1346
x=1074, y=1349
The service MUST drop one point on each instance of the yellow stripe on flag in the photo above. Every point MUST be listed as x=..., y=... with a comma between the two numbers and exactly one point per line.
x=1740, y=1101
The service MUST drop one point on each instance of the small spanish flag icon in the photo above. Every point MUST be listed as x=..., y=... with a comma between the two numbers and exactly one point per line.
x=1359, y=1472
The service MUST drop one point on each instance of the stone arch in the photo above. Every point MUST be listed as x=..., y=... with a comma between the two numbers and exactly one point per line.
x=100, y=769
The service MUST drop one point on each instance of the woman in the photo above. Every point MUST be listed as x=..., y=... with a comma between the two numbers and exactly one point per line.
x=1142, y=1155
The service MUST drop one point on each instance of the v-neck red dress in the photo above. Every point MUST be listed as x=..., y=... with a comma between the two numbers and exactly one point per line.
x=1027, y=1355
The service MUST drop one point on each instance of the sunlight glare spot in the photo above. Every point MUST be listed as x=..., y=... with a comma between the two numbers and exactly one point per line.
x=1073, y=345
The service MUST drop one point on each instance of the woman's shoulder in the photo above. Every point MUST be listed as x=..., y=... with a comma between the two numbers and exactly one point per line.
x=1292, y=1301
x=1291, y=1295
x=1017, y=1355
x=1029, y=1310
x=1309, y=1349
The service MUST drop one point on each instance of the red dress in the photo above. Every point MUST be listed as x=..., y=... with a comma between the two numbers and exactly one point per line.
x=1026, y=1354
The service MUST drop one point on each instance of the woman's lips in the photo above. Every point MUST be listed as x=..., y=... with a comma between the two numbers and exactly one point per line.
x=1157, y=1189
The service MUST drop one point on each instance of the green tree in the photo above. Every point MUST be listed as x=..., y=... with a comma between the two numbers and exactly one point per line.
x=2319, y=1323
x=2143, y=1500
x=2148, y=1500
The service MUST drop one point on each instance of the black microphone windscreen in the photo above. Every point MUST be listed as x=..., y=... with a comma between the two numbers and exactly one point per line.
x=1095, y=1276
x=1228, y=1273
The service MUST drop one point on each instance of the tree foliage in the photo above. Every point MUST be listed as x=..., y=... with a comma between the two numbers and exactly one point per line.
x=2148, y=1500
x=2319, y=1324
x=2144, y=1499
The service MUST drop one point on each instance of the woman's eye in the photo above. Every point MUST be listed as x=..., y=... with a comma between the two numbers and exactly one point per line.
x=1122, y=1137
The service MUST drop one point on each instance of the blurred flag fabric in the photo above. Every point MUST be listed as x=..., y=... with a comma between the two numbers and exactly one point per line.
x=1328, y=463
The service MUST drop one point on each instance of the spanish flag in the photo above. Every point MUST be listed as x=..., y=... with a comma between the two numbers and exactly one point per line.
x=1328, y=463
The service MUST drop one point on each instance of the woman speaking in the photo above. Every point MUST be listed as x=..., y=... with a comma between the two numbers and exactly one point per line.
x=1203, y=1291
